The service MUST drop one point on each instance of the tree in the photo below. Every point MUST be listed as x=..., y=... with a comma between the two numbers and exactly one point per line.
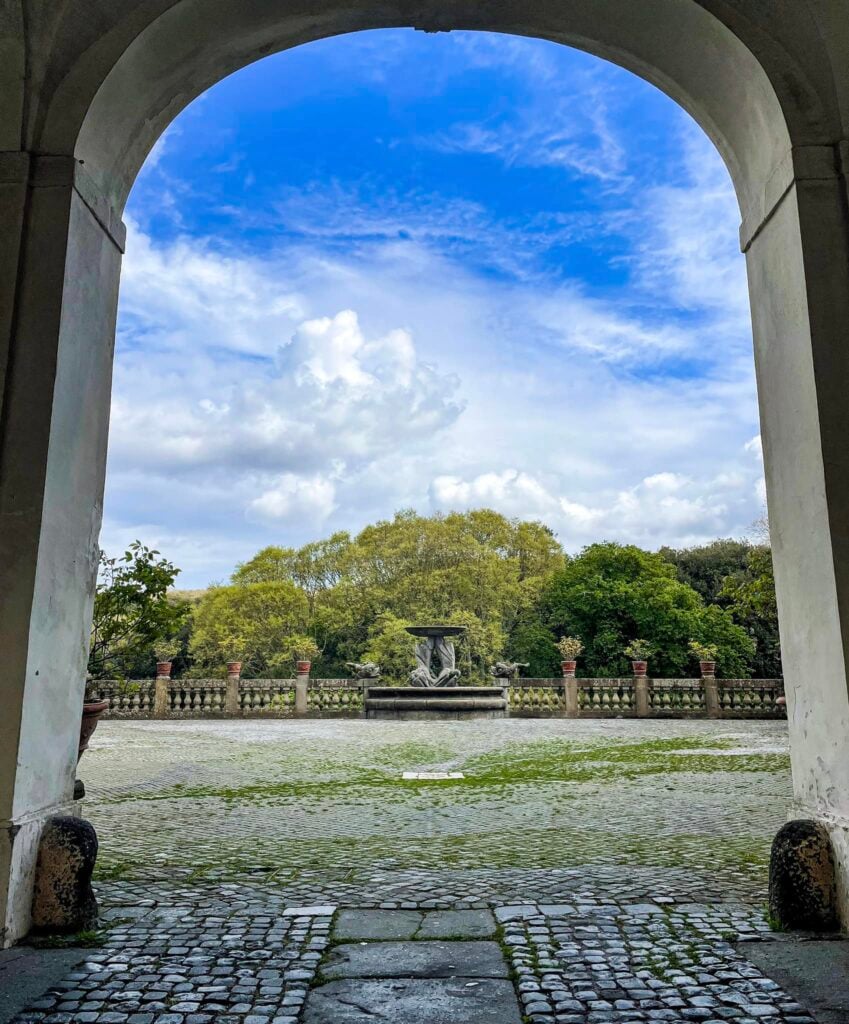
x=532, y=641
x=750, y=595
x=612, y=594
x=256, y=623
x=132, y=612
x=391, y=647
x=705, y=568
x=316, y=568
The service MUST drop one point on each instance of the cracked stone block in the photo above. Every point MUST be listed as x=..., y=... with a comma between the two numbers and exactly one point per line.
x=802, y=891
x=63, y=899
x=377, y=924
x=413, y=1001
x=416, y=960
x=457, y=924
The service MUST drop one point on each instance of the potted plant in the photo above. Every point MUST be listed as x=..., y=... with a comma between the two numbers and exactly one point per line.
x=638, y=651
x=165, y=653
x=305, y=650
x=570, y=647
x=706, y=653
x=93, y=708
x=234, y=650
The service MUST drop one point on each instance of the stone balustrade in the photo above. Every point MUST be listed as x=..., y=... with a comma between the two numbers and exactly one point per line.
x=566, y=697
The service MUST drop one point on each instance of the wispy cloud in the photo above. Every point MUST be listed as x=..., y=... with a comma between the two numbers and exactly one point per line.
x=350, y=345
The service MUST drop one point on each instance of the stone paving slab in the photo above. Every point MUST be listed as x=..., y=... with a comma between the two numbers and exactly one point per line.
x=457, y=924
x=428, y=959
x=25, y=973
x=377, y=924
x=816, y=972
x=413, y=1001
x=412, y=924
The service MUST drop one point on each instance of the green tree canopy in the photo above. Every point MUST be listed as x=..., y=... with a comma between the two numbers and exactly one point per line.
x=612, y=594
x=705, y=567
x=132, y=612
x=255, y=623
x=750, y=595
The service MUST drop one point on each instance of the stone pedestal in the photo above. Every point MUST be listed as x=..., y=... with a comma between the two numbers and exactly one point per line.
x=302, y=683
x=436, y=703
x=641, y=696
x=161, y=701
x=231, y=694
x=570, y=694
x=712, y=708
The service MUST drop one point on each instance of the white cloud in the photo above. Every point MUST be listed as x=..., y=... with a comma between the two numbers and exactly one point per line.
x=292, y=499
x=662, y=508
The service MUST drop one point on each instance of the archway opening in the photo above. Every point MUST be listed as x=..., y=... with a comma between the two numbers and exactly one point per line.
x=468, y=292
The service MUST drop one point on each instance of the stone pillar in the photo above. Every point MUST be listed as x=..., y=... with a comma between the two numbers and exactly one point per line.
x=59, y=267
x=798, y=266
x=712, y=708
x=161, y=697
x=302, y=682
x=232, y=704
x=570, y=694
x=641, y=696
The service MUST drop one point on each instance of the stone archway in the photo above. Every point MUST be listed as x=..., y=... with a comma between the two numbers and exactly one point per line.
x=84, y=94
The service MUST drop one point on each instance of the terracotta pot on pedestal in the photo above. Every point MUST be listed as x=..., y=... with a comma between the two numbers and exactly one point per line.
x=92, y=710
x=708, y=668
x=234, y=668
x=163, y=669
x=303, y=667
x=640, y=668
x=568, y=667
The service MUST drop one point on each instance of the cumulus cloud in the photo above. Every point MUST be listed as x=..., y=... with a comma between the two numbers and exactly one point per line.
x=293, y=498
x=661, y=508
x=232, y=377
x=373, y=360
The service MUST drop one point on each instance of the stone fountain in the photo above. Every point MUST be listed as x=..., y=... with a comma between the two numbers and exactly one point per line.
x=434, y=691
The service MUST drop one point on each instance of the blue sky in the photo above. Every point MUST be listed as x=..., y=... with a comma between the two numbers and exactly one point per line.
x=441, y=271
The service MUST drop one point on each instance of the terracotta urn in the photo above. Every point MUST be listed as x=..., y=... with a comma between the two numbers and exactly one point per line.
x=708, y=668
x=92, y=710
x=303, y=667
x=639, y=667
x=568, y=667
x=234, y=668
x=163, y=669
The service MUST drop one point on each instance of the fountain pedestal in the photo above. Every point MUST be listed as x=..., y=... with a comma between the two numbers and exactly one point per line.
x=443, y=702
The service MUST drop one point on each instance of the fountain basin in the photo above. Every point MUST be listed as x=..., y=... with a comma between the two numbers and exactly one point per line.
x=435, y=703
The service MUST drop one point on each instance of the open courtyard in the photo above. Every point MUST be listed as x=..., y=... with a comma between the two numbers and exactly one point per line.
x=579, y=872
x=312, y=806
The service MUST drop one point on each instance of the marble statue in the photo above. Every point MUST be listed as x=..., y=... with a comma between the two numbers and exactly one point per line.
x=364, y=670
x=507, y=669
x=433, y=644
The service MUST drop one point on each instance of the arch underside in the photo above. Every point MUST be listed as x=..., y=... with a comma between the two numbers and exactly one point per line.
x=675, y=44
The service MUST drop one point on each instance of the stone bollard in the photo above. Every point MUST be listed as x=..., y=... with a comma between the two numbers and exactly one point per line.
x=712, y=708
x=641, y=696
x=802, y=890
x=302, y=683
x=63, y=900
x=161, y=695
x=232, y=704
x=570, y=692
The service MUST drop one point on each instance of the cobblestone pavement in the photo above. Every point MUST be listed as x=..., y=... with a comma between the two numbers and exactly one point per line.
x=621, y=860
x=233, y=799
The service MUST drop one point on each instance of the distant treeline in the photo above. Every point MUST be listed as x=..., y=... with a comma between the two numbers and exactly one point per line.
x=509, y=582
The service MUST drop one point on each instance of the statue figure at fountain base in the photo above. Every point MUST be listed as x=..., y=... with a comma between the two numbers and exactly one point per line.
x=433, y=643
